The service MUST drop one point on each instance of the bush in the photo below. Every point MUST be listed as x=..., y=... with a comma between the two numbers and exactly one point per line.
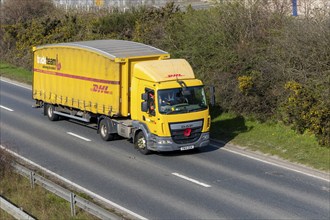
x=150, y=26
x=224, y=44
x=118, y=25
x=16, y=11
x=22, y=25
x=307, y=110
x=18, y=39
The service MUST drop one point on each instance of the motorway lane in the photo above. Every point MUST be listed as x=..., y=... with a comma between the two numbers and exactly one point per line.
x=239, y=187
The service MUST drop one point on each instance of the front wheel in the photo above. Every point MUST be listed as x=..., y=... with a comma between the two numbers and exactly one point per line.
x=50, y=112
x=141, y=143
x=104, y=130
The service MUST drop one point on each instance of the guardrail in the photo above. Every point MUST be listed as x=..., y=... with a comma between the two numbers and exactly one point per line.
x=117, y=211
x=14, y=211
x=69, y=196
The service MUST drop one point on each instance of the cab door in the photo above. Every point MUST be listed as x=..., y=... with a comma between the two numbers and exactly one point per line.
x=148, y=108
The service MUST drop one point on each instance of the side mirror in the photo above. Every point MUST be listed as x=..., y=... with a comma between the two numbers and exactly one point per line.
x=144, y=106
x=144, y=96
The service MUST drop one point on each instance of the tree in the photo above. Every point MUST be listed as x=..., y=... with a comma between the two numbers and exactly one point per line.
x=14, y=11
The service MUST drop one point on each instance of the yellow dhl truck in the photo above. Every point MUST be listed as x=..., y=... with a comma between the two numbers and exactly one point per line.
x=124, y=88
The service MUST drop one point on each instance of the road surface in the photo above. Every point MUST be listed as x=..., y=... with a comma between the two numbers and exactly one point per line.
x=215, y=183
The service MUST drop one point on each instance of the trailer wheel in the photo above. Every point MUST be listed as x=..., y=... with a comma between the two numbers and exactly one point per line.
x=141, y=143
x=104, y=130
x=50, y=112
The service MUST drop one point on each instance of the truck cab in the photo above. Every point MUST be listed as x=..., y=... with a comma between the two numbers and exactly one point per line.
x=168, y=107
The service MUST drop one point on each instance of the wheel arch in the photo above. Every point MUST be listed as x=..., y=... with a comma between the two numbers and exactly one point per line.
x=112, y=125
x=140, y=127
x=51, y=107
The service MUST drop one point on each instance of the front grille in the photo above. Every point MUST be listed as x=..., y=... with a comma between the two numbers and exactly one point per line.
x=179, y=137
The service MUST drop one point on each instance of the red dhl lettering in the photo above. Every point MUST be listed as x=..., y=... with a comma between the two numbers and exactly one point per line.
x=100, y=89
x=174, y=75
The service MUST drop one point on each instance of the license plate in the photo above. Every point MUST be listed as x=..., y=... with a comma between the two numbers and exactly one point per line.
x=187, y=147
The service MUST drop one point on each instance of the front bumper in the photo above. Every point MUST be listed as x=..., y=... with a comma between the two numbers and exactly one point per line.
x=156, y=143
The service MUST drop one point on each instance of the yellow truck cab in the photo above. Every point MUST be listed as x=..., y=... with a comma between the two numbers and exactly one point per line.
x=125, y=88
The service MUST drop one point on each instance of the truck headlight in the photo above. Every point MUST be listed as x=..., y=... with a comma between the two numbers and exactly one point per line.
x=164, y=142
x=205, y=137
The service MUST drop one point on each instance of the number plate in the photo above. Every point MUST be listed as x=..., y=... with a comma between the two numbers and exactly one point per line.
x=187, y=147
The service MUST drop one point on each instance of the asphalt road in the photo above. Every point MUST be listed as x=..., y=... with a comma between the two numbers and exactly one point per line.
x=214, y=183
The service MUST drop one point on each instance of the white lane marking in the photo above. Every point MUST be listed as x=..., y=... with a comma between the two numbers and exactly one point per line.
x=8, y=109
x=78, y=136
x=191, y=180
x=74, y=185
x=274, y=164
x=25, y=86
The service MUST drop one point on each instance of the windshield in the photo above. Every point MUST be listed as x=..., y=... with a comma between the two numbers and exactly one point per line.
x=181, y=100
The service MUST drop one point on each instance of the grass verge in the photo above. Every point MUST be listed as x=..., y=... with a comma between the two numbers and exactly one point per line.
x=15, y=73
x=37, y=202
x=269, y=138
x=5, y=215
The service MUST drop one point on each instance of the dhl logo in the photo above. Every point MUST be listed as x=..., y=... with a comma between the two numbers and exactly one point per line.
x=174, y=75
x=100, y=89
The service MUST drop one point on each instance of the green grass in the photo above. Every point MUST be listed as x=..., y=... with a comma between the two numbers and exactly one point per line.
x=5, y=215
x=37, y=202
x=271, y=138
x=15, y=73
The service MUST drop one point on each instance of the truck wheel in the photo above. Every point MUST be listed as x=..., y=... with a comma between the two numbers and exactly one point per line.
x=141, y=143
x=50, y=112
x=104, y=131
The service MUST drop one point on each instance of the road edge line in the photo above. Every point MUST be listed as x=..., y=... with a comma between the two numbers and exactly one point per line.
x=16, y=83
x=302, y=169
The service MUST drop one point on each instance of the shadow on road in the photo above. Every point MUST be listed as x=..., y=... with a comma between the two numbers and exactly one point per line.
x=206, y=149
x=222, y=129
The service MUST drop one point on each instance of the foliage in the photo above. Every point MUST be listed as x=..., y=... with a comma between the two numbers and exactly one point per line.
x=150, y=25
x=223, y=44
x=245, y=84
x=21, y=37
x=118, y=25
x=15, y=11
x=305, y=109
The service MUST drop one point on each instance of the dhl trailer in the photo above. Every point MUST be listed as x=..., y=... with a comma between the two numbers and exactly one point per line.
x=125, y=88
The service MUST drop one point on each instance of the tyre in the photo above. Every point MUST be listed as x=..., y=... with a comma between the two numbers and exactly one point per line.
x=50, y=112
x=141, y=143
x=104, y=129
